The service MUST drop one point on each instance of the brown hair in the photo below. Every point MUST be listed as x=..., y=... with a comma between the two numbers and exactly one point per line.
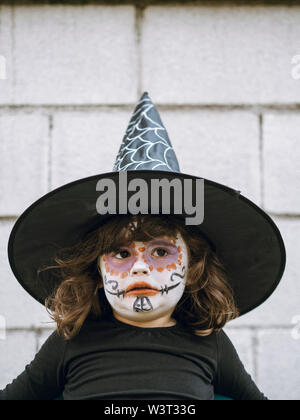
x=207, y=303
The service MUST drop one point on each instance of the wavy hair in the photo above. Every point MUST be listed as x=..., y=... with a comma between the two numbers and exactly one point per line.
x=207, y=303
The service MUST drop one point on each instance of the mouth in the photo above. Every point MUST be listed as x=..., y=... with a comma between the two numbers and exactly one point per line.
x=141, y=288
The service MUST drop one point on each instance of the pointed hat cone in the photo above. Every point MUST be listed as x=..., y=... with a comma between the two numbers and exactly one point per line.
x=146, y=144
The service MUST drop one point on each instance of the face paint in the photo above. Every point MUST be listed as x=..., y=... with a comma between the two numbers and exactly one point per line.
x=146, y=279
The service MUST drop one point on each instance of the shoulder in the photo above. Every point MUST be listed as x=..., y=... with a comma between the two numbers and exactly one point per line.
x=226, y=349
x=54, y=341
x=221, y=336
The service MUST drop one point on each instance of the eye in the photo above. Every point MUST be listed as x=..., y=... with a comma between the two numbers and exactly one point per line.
x=162, y=252
x=123, y=253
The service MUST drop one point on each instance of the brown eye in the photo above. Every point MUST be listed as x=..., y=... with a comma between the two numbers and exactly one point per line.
x=123, y=253
x=161, y=252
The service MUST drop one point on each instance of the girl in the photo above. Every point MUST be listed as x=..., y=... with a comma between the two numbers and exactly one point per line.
x=140, y=298
x=139, y=315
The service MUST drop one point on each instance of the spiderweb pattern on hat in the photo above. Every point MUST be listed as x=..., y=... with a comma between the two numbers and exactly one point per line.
x=146, y=144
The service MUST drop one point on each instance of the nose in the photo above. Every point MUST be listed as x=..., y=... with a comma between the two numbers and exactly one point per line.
x=140, y=271
x=140, y=268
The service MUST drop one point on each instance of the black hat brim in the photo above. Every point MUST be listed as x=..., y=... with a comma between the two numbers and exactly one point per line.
x=246, y=239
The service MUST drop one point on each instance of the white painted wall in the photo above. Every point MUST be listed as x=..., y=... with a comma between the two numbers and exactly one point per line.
x=226, y=80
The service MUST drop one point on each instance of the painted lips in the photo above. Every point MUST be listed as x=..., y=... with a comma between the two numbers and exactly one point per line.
x=141, y=288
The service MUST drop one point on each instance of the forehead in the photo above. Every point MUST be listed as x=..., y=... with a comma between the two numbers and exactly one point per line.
x=146, y=230
x=161, y=240
x=158, y=241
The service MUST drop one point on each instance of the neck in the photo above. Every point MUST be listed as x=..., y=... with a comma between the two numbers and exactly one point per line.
x=165, y=321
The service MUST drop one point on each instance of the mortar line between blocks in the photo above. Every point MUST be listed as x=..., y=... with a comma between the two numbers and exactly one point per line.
x=165, y=3
x=225, y=107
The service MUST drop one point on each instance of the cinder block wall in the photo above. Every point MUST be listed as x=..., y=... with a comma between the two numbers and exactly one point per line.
x=226, y=82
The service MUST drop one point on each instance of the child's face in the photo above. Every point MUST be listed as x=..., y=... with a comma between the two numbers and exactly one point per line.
x=145, y=280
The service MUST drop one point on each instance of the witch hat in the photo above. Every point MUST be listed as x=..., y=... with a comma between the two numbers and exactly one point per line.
x=146, y=144
x=244, y=237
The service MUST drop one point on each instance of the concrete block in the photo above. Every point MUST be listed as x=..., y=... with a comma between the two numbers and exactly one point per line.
x=6, y=61
x=219, y=146
x=16, y=351
x=18, y=308
x=85, y=144
x=212, y=54
x=278, y=364
x=24, y=161
x=79, y=54
x=281, y=154
x=283, y=305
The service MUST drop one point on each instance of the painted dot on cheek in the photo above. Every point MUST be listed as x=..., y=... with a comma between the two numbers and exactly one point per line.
x=123, y=275
x=179, y=262
x=150, y=268
x=173, y=266
x=180, y=256
x=179, y=248
x=106, y=267
x=160, y=269
x=141, y=249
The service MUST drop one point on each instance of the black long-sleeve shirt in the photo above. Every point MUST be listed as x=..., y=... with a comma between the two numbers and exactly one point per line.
x=110, y=359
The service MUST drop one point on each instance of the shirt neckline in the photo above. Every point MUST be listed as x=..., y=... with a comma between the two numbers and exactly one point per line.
x=134, y=327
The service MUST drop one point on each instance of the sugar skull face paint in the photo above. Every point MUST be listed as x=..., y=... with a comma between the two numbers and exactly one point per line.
x=145, y=279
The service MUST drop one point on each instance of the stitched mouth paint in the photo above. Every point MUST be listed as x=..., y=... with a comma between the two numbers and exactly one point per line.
x=162, y=290
x=141, y=288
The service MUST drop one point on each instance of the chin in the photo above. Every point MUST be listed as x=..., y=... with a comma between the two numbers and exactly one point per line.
x=152, y=315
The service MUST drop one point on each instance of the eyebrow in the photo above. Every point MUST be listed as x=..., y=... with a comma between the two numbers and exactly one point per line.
x=162, y=242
